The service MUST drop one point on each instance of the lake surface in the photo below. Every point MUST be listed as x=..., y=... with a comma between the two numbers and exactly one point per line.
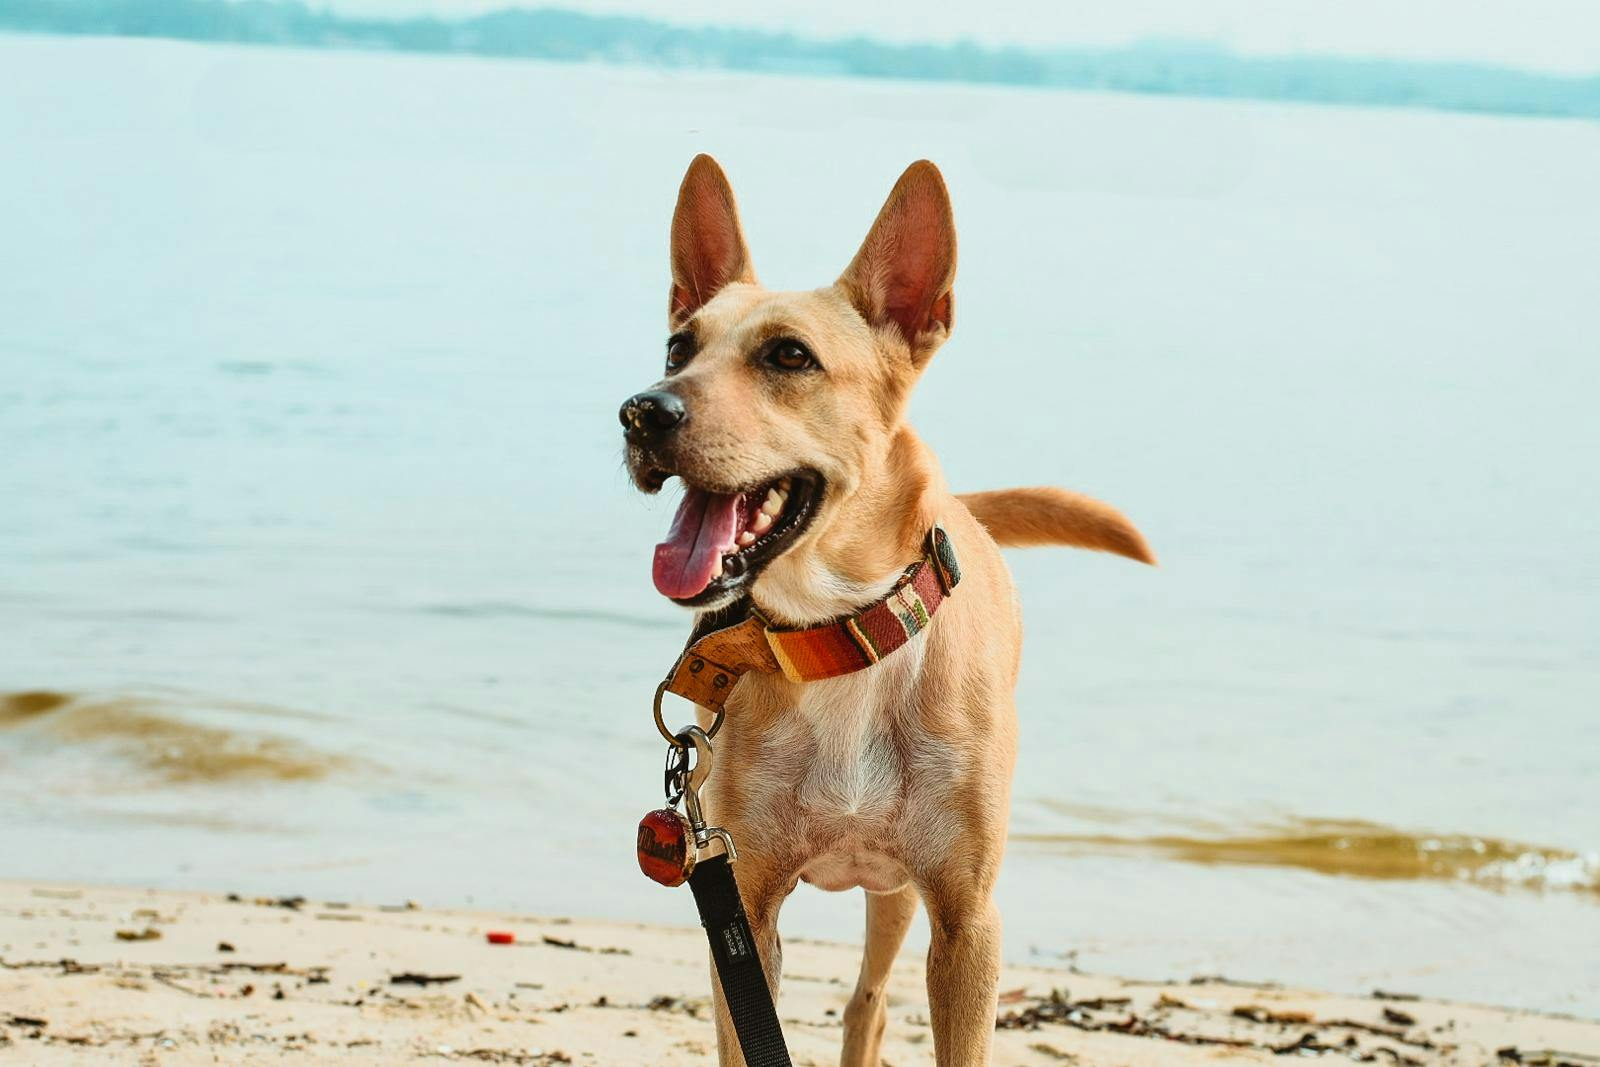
x=319, y=572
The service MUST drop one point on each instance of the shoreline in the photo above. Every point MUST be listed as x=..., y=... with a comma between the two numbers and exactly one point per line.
x=101, y=974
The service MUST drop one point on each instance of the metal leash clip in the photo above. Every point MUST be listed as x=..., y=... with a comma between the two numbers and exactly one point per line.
x=670, y=842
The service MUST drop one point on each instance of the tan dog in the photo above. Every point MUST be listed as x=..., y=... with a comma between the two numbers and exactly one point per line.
x=807, y=492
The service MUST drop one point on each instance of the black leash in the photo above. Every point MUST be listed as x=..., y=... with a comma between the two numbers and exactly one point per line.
x=670, y=843
x=738, y=962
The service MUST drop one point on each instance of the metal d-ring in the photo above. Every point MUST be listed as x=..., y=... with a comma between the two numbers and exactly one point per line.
x=661, y=723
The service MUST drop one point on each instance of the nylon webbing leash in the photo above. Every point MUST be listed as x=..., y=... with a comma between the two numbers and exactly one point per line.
x=670, y=844
x=733, y=949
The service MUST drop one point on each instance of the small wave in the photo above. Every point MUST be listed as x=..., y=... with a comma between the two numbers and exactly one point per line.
x=172, y=749
x=496, y=609
x=1545, y=870
x=1359, y=849
x=246, y=367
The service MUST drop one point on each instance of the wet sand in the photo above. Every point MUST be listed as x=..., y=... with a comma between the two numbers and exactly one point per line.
x=98, y=975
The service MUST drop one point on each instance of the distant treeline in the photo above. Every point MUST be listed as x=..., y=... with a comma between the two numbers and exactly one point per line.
x=1166, y=68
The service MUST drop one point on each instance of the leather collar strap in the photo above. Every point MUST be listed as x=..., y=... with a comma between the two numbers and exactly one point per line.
x=709, y=667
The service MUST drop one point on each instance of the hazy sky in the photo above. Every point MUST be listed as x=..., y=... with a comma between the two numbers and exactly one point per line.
x=1559, y=35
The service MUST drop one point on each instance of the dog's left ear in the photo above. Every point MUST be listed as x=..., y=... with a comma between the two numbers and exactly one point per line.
x=708, y=249
x=903, y=276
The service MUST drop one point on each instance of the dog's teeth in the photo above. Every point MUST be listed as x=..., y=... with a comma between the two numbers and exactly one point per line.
x=717, y=572
x=762, y=524
x=746, y=539
x=773, y=505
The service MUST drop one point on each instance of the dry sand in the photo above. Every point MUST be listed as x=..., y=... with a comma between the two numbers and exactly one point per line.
x=218, y=980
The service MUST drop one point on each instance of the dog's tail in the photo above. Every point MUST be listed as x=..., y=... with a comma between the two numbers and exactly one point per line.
x=1048, y=516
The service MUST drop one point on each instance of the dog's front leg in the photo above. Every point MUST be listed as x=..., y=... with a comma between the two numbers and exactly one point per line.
x=963, y=972
x=763, y=895
x=889, y=916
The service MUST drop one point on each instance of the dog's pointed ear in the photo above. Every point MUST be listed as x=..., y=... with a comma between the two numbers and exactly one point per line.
x=904, y=274
x=708, y=249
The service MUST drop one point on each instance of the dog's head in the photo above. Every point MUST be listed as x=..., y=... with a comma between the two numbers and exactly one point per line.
x=782, y=412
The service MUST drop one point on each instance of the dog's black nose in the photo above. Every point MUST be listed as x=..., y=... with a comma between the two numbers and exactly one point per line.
x=649, y=416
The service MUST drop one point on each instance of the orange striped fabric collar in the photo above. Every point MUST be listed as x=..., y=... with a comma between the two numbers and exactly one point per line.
x=708, y=668
x=857, y=641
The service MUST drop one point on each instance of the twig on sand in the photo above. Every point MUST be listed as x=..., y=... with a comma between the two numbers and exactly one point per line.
x=418, y=979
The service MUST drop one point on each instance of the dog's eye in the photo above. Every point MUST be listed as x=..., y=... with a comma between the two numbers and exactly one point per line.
x=680, y=347
x=791, y=355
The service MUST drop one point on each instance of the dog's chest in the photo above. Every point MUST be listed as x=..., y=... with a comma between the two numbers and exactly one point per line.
x=838, y=773
x=850, y=767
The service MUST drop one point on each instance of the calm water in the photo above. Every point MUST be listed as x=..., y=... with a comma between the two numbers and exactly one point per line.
x=312, y=518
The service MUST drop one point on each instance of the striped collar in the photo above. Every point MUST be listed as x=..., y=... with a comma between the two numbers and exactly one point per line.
x=720, y=649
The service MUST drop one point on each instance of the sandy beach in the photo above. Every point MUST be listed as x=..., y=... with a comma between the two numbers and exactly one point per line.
x=100, y=975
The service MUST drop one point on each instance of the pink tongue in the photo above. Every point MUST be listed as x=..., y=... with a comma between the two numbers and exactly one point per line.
x=702, y=533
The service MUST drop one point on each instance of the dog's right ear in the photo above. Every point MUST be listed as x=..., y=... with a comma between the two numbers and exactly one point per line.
x=708, y=249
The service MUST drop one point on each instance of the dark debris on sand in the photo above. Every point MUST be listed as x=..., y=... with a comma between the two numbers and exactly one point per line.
x=1282, y=1033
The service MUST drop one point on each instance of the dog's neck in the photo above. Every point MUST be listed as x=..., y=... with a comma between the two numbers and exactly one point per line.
x=816, y=594
x=880, y=530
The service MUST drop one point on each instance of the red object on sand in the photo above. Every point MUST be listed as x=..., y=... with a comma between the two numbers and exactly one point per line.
x=502, y=937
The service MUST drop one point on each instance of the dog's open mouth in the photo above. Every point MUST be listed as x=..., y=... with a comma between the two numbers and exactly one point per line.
x=719, y=541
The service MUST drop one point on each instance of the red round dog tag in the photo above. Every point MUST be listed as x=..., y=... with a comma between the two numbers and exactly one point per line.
x=666, y=846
